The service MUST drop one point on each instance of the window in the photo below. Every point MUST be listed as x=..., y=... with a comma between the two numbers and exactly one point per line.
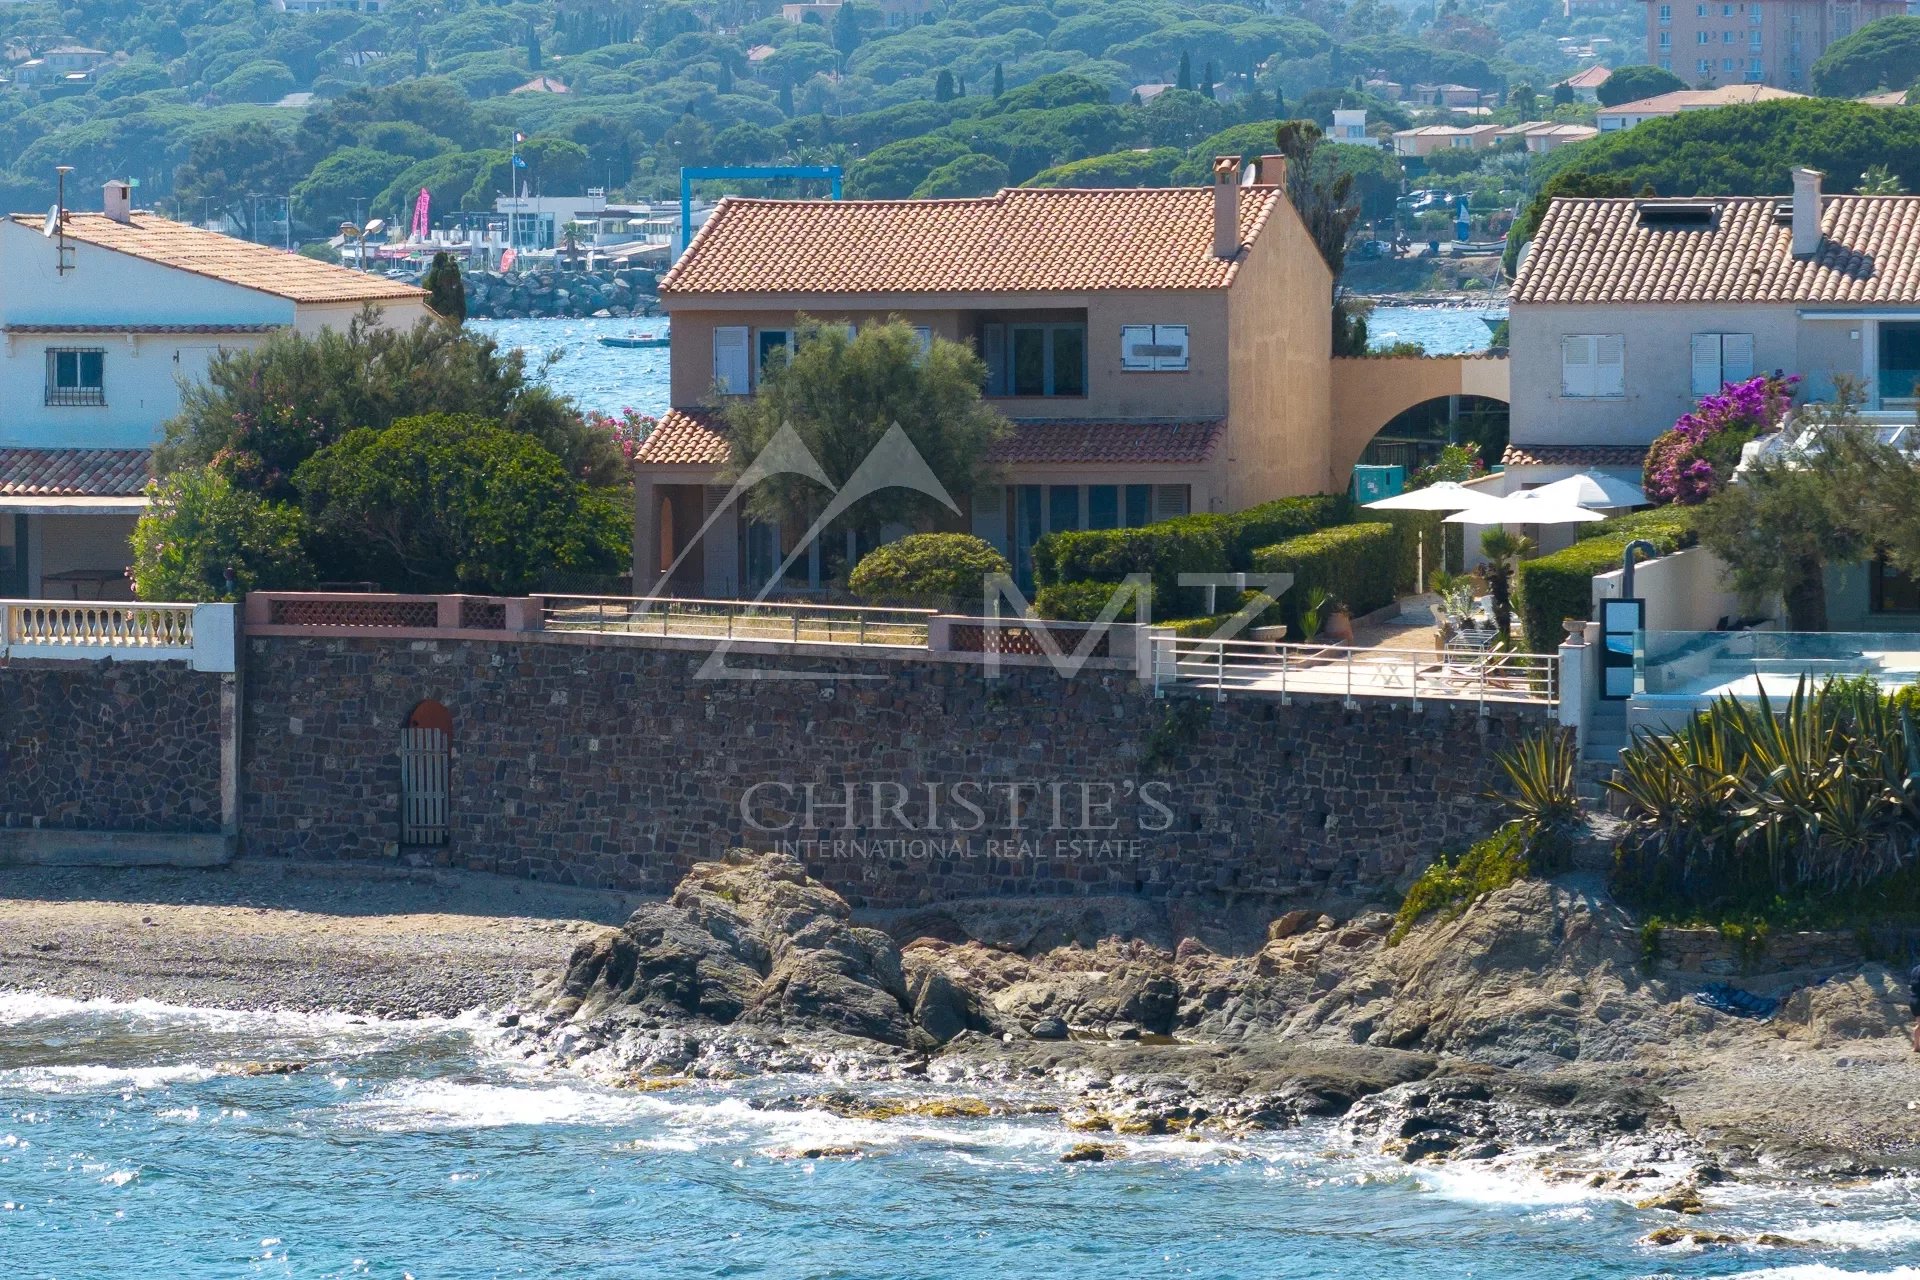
x=1726, y=11
x=1726, y=64
x=1754, y=17
x=1153, y=348
x=1703, y=37
x=1592, y=365
x=1754, y=42
x=1720, y=358
x=1699, y=11
x=923, y=337
x=767, y=342
x=1706, y=66
x=1035, y=359
x=732, y=370
x=1666, y=14
x=1892, y=590
x=76, y=376
x=1666, y=39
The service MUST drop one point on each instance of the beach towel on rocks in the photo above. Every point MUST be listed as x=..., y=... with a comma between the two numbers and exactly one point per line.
x=1728, y=999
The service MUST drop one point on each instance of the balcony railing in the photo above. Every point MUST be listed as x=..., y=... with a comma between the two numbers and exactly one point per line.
x=1350, y=673
x=672, y=617
x=88, y=625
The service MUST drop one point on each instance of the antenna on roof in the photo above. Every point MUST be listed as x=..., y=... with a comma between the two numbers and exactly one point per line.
x=53, y=221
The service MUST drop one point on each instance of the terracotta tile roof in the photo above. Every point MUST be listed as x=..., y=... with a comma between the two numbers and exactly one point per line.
x=1042, y=442
x=1727, y=95
x=221, y=257
x=697, y=437
x=138, y=329
x=685, y=437
x=1591, y=78
x=1574, y=455
x=1598, y=251
x=1019, y=241
x=1891, y=98
x=74, y=473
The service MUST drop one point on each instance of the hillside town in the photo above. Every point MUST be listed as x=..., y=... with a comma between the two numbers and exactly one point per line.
x=1290, y=629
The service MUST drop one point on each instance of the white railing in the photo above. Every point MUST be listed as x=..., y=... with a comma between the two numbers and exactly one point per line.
x=92, y=625
x=672, y=617
x=1343, y=671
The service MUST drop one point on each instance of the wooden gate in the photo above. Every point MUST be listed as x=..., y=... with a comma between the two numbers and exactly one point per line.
x=423, y=786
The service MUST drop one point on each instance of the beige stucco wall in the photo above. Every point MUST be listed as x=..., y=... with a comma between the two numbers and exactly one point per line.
x=1369, y=391
x=1658, y=353
x=1199, y=392
x=310, y=318
x=1280, y=339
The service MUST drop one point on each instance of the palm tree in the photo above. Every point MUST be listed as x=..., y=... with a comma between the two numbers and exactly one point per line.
x=1503, y=551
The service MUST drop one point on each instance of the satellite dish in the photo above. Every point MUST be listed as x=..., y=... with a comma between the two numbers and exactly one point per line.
x=52, y=223
x=376, y=226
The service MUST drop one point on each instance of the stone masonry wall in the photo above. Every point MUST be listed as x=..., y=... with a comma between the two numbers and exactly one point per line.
x=610, y=764
x=109, y=746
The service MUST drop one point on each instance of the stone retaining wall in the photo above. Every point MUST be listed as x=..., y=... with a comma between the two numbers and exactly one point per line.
x=110, y=746
x=611, y=764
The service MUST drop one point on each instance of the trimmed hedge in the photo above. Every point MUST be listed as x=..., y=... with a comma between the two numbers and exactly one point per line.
x=1164, y=551
x=1357, y=564
x=928, y=570
x=1560, y=585
x=1204, y=543
x=1083, y=601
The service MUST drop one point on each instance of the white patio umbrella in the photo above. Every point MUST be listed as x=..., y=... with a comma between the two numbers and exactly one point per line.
x=1447, y=495
x=1594, y=489
x=1530, y=506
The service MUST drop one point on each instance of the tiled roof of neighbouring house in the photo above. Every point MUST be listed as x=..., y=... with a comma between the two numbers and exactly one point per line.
x=1590, y=78
x=1574, y=455
x=138, y=330
x=1037, y=443
x=73, y=473
x=685, y=437
x=697, y=437
x=1603, y=251
x=1727, y=95
x=1019, y=241
x=221, y=257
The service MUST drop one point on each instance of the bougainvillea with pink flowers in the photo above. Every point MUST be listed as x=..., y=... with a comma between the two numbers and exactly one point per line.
x=1692, y=462
x=628, y=429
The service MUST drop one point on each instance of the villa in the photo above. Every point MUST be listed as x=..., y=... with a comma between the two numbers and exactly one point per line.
x=100, y=322
x=1159, y=351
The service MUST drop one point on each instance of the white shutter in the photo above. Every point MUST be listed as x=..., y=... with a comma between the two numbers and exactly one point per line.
x=732, y=364
x=1158, y=348
x=1136, y=341
x=993, y=344
x=1170, y=348
x=1706, y=364
x=1609, y=365
x=1736, y=357
x=1576, y=365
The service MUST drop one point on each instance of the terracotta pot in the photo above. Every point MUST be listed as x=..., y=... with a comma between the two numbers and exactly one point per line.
x=1339, y=627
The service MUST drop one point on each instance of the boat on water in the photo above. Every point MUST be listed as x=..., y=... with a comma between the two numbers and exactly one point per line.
x=632, y=340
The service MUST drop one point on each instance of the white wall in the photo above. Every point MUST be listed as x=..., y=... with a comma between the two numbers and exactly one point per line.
x=1685, y=591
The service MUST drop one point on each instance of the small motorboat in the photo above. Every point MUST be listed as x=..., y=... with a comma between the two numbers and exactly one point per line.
x=633, y=340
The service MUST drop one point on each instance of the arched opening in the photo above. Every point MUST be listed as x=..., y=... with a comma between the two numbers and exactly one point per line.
x=1414, y=437
x=426, y=751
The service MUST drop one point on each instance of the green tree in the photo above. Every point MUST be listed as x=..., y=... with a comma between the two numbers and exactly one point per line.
x=1504, y=552
x=443, y=502
x=1631, y=84
x=200, y=527
x=841, y=395
x=263, y=411
x=1563, y=94
x=1183, y=78
x=1880, y=181
x=261, y=81
x=928, y=571
x=226, y=163
x=1523, y=100
x=943, y=86
x=1326, y=204
x=1206, y=85
x=849, y=28
x=999, y=79
x=970, y=175
x=328, y=193
x=533, y=47
x=1884, y=54
x=446, y=290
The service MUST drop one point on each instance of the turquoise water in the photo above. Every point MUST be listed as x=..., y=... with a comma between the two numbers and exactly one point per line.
x=609, y=379
x=415, y=1149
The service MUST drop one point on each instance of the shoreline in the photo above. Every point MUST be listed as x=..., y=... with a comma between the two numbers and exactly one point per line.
x=1830, y=1090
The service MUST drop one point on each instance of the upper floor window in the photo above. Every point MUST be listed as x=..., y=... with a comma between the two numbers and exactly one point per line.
x=732, y=360
x=1666, y=64
x=1720, y=358
x=1153, y=348
x=1035, y=359
x=1704, y=37
x=76, y=376
x=1666, y=14
x=1593, y=365
x=1666, y=39
x=1755, y=17
x=1699, y=11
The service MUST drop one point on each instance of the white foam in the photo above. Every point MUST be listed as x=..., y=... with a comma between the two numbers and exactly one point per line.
x=1821, y=1271
x=18, y=1007
x=1854, y=1234
x=459, y=1104
x=101, y=1079
x=1481, y=1183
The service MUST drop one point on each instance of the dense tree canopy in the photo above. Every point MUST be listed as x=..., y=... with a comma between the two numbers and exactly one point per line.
x=1884, y=54
x=1631, y=84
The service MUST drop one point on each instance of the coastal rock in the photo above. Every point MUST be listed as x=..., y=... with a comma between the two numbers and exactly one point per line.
x=754, y=939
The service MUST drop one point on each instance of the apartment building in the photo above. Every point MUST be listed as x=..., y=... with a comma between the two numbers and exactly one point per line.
x=1773, y=42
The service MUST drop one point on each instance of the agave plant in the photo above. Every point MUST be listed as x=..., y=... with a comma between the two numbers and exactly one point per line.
x=1544, y=798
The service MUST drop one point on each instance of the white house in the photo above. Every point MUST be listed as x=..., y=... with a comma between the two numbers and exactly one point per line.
x=99, y=322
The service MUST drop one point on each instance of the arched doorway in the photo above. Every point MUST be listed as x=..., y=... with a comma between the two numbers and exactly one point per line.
x=426, y=749
x=1414, y=437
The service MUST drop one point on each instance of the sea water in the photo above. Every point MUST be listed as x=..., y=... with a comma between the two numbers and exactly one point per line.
x=132, y=1145
x=610, y=379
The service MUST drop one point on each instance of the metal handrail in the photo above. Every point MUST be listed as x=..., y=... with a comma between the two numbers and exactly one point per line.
x=1353, y=673
x=793, y=623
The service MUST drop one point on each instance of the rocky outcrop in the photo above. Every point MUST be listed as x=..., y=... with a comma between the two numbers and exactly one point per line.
x=755, y=940
x=561, y=291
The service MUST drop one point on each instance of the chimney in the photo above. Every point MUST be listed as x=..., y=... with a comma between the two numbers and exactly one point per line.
x=1806, y=212
x=1273, y=171
x=117, y=200
x=1226, y=206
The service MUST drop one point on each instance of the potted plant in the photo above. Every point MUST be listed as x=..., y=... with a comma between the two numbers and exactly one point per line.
x=1339, y=625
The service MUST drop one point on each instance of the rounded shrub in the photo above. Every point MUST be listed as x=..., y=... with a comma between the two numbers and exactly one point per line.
x=928, y=571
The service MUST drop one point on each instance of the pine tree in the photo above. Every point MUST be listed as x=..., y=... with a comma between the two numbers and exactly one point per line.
x=1184, y=79
x=1279, y=103
x=1211, y=74
x=723, y=83
x=420, y=59
x=786, y=98
x=999, y=79
x=960, y=86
